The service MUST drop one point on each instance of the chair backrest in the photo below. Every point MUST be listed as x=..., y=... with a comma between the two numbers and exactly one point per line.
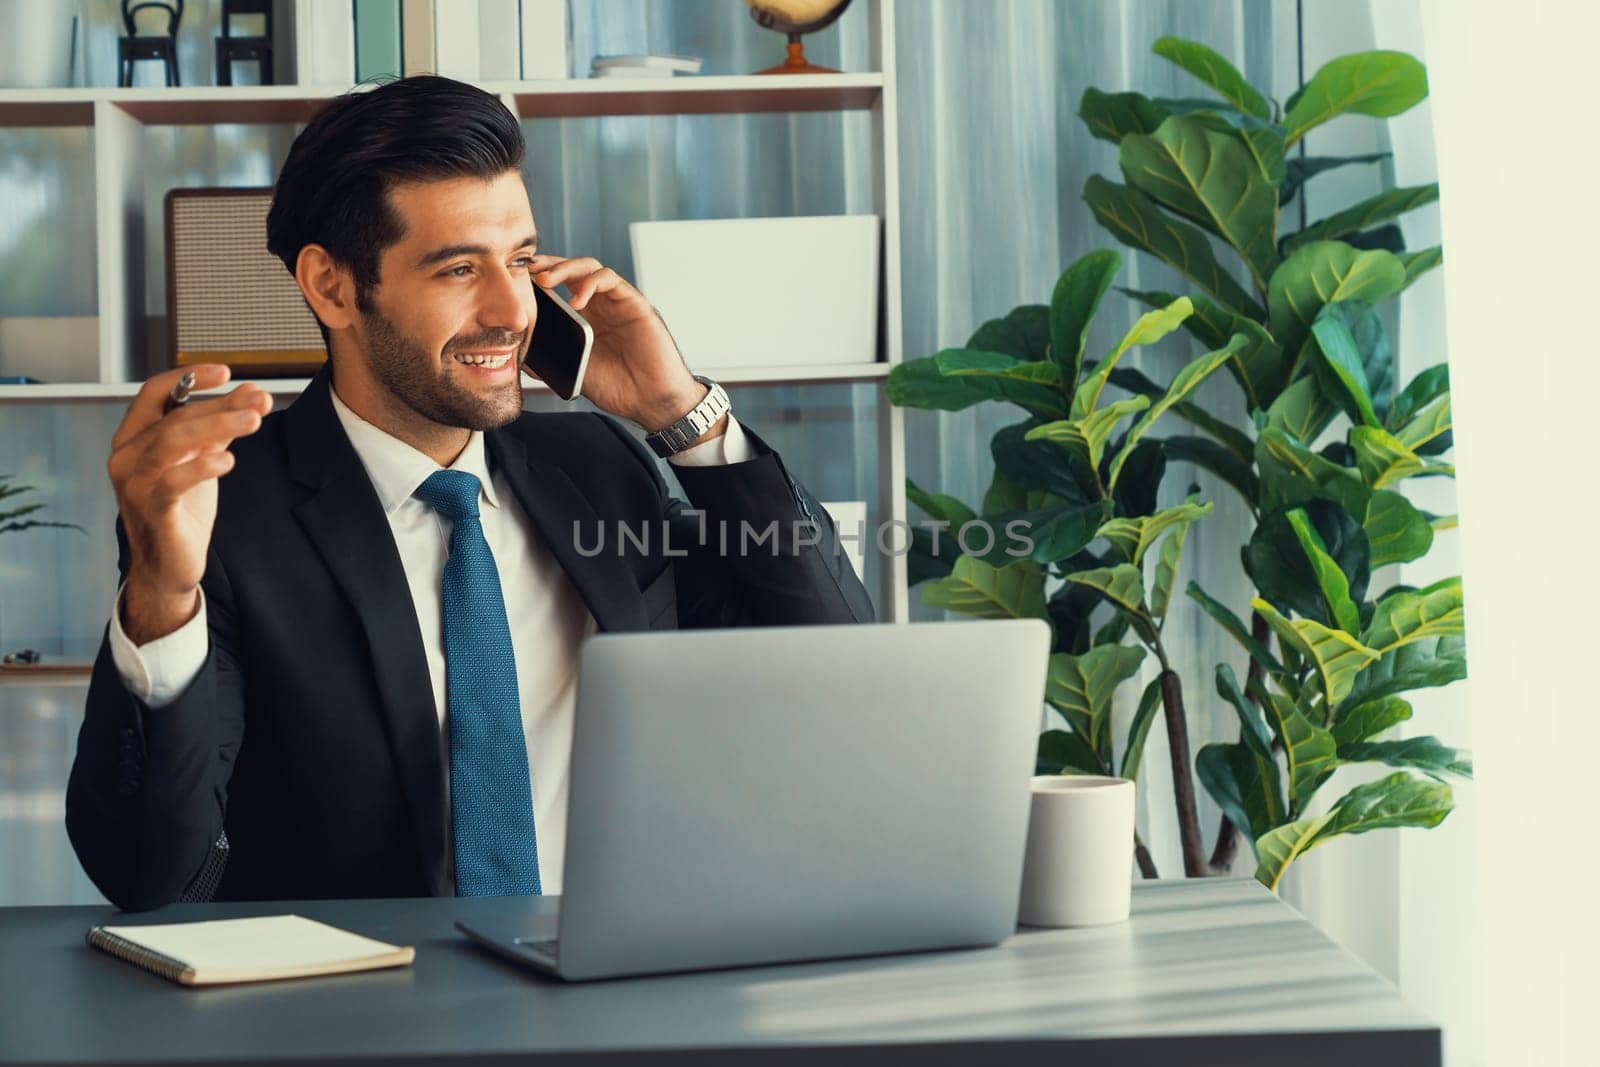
x=172, y=8
x=232, y=9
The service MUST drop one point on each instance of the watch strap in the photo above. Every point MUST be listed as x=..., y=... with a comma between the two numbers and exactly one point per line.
x=704, y=415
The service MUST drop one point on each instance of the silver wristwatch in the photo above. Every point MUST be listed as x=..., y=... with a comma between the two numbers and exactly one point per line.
x=681, y=434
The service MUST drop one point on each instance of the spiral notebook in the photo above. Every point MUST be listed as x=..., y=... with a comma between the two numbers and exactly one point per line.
x=247, y=950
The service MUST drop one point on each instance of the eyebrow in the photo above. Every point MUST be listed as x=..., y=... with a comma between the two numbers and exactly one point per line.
x=439, y=255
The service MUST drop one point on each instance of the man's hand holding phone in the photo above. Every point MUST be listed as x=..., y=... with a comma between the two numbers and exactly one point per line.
x=635, y=370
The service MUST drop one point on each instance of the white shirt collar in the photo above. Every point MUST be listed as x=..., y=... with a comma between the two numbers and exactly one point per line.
x=397, y=469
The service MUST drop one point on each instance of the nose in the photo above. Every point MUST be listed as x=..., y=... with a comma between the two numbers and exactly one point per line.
x=507, y=302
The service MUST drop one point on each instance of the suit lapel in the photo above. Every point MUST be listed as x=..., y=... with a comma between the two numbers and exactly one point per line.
x=344, y=520
x=559, y=511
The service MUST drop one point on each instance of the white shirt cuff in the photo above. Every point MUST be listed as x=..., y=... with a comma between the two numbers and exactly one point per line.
x=732, y=447
x=159, y=671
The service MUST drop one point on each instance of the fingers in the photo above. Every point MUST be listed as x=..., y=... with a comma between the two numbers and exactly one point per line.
x=565, y=270
x=201, y=428
x=601, y=281
x=182, y=477
x=147, y=404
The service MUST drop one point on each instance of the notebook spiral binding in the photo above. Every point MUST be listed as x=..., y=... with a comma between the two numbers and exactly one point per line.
x=139, y=956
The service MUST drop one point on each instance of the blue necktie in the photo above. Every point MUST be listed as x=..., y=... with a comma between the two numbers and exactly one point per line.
x=491, y=801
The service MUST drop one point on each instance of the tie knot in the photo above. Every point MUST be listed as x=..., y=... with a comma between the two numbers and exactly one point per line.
x=454, y=494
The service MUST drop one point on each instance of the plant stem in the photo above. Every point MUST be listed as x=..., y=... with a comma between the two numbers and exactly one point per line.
x=1227, y=836
x=1194, y=857
x=1147, y=865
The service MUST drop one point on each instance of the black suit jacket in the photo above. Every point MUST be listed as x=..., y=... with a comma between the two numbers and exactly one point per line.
x=310, y=735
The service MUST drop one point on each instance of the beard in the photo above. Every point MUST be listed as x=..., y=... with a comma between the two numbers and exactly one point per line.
x=411, y=373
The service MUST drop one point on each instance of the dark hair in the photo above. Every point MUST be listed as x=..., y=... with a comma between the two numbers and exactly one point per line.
x=333, y=189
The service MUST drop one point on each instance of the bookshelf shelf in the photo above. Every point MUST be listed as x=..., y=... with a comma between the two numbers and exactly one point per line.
x=819, y=374
x=553, y=98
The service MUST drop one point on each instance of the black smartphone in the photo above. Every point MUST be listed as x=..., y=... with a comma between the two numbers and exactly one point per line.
x=558, y=352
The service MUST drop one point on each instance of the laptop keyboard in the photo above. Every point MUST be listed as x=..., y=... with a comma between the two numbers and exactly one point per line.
x=543, y=947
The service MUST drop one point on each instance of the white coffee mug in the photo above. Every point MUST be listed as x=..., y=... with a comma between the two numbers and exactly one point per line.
x=1079, y=865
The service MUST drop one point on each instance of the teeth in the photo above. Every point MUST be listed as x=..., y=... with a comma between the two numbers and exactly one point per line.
x=482, y=361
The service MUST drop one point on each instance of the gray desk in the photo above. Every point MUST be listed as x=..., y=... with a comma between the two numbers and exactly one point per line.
x=1204, y=973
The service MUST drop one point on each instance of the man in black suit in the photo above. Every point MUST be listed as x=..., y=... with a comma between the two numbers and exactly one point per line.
x=327, y=676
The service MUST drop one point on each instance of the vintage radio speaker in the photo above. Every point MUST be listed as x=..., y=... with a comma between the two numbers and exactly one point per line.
x=229, y=300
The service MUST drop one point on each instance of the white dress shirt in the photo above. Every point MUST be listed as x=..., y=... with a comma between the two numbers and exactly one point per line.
x=548, y=618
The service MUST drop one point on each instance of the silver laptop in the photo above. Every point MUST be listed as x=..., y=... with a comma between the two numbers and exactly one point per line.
x=773, y=794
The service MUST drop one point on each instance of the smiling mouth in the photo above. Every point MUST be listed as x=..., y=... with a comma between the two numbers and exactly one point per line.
x=491, y=360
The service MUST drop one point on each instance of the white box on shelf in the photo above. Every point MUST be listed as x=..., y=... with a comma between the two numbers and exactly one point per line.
x=50, y=349
x=455, y=39
x=764, y=292
x=325, y=42
x=850, y=516
x=545, y=34
x=499, y=41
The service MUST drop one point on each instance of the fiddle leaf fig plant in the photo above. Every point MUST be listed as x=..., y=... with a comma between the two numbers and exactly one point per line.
x=1075, y=488
x=1330, y=447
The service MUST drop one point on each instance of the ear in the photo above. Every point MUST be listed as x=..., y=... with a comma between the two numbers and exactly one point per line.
x=329, y=288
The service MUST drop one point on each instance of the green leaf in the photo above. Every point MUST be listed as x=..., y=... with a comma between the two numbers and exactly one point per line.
x=1234, y=626
x=1416, y=615
x=1057, y=533
x=1380, y=84
x=1082, y=687
x=1301, y=170
x=1216, y=72
x=941, y=506
x=1366, y=721
x=1417, y=264
x=1399, y=800
x=1072, y=307
x=1132, y=537
x=1337, y=346
x=1134, y=219
x=1257, y=366
x=1431, y=423
x=1276, y=560
x=1112, y=116
x=1321, y=273
x=1256, y=737
x=1292, y=474
x=1187, y=381
x=1335, y=587
x=1015, y=591
x=1396, y=531
x=1231, y=775
x=1208, y=455
x=1302, y=411
x=1085, y=436
x=1372, y=353
x=1389, y=204
x=918, y=383
x=966, y=362
x=1122, y=585
x=1024, y=332
x=1337, y=656
x=1139, y=729
x=1210, y=178
x=1036, y=465
x=1309, y=749
x=1004, y=494
x=1424, y=389
x=1063, y=752
x=1167, y=562
x=1140, y=486
x=1426, y=754
x=1420, y=665
x=1278, y=848
x=1150, y=327
x=1384, y=460
x=931, y=555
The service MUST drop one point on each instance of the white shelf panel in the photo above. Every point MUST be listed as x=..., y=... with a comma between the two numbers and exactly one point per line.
x=551, y=98
x=732, y=376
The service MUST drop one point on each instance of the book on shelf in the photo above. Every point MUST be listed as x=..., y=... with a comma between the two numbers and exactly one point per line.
x=377, y=39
